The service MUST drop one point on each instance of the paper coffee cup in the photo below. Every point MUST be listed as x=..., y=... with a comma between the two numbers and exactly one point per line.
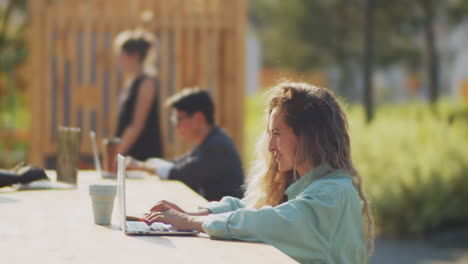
x=111, y=149
x=102, y=196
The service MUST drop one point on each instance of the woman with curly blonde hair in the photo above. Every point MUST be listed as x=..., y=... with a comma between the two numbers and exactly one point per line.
x=303, y=195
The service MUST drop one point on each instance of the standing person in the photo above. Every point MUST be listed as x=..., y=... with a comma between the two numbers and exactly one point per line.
x=213, y=168
x=138, y=121
x=304, y=196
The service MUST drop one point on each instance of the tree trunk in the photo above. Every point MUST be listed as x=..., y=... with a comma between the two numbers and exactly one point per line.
x=368, y=59
x=344, y=78
x=431, y=51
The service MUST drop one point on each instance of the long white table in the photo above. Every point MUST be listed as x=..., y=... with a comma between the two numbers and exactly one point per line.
x=56, y=226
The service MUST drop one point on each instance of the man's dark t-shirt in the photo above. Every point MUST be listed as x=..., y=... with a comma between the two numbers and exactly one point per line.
x=213, y=168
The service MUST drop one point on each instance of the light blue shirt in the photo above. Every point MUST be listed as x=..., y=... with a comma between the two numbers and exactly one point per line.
x=320, y=223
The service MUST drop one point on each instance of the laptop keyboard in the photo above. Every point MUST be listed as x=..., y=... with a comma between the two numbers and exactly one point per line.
x=143, y=227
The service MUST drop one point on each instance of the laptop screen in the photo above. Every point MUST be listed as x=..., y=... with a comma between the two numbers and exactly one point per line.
x=97, y=163
x=121, y=189
x=158, y=228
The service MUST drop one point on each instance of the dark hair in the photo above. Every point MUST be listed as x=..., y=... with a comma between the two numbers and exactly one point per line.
x=135, y=42
x=191, y=100
x=138, y=46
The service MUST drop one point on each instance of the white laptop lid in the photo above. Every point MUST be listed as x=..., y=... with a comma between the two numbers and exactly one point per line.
x=121, y=171
x=121, y=190
x=97, y=162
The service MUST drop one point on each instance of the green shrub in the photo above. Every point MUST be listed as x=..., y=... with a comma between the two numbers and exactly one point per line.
x=254, y=125
x=20, y=119
x=414, y=162
x=413, y=159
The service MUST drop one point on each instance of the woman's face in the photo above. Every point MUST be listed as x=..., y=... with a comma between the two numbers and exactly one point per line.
x=283, y=142
x=127, y=61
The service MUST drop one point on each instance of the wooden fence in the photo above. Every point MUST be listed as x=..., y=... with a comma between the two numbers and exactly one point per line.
x=74, y=78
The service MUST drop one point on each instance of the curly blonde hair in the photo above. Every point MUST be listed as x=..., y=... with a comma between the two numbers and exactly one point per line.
x=320, y=123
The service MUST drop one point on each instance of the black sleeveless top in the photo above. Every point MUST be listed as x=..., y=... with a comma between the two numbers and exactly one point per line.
x=148, y=143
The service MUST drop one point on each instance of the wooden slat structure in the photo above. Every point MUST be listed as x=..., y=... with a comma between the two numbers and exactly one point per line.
x=74, y=77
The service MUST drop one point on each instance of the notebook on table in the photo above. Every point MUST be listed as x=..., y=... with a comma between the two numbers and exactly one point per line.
x=139, y=227
x=41, y=183
x=44, y=185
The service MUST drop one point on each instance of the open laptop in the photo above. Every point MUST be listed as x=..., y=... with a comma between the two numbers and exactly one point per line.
x=138, y=227
x=97, y=163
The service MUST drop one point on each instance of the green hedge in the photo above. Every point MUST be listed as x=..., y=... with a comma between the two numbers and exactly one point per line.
x=19, y=120
x=413, y=160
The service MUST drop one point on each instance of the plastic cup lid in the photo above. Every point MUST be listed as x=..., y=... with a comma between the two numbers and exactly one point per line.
x=102, y=188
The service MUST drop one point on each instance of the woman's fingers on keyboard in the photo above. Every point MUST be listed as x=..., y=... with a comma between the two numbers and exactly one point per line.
x=165, y=205
x=173, y=217
x=160, y=206
x=156, y=216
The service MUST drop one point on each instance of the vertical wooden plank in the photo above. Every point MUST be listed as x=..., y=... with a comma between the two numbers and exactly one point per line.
x=111, y=119
x=241, y=26
x=226, y=97
x=178, y=65
x=100, y=69
x=79, y=62
x=221, y=79
x=163, y=55
x=188, y=57
x=135, y=8
x=190, y=62
x=227, y=68
x=195, y=49
x=202, y=51
x=113, y=102
x=46, y=54
x=67, y=64
x=72, y=57
x=105, y=51
x=59, y=51
x=36, y=35
x=232, y=110
x=50, y=58
x=86, y=20
x=229, y=75
x=215, y=59
x=86, y=69
x=108, y=74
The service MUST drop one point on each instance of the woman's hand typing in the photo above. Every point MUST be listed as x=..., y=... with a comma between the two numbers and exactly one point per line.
x=165, y=205
x=172, y=214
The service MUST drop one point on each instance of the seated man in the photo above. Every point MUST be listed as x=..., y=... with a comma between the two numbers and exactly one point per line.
x=213, y=167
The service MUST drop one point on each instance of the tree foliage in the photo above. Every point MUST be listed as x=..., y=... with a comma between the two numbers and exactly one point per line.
x=13, y=26
x=307, y=34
